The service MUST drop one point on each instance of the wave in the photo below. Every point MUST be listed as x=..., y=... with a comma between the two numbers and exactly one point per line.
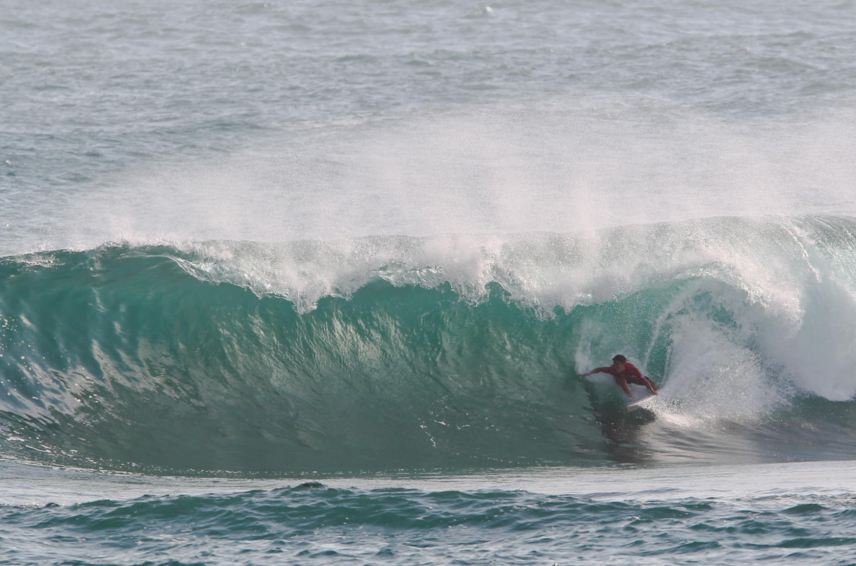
x=454, y=351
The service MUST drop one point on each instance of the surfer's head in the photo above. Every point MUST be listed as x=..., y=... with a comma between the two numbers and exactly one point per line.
x=618, y=362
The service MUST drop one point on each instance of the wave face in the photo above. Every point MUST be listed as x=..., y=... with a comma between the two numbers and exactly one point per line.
x=458, y=351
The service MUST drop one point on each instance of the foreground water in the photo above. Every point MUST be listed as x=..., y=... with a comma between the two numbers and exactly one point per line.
x=774, y=513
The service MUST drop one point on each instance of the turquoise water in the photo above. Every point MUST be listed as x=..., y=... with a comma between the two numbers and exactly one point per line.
x=175, y=358
x=302, y=282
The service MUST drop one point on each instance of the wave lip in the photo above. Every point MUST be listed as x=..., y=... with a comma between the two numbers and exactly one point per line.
x=443, y=352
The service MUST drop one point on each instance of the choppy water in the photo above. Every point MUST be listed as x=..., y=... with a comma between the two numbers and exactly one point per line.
x=782, y=513
x=375, y=243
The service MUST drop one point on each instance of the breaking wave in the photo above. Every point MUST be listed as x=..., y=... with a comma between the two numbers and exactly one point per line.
x=452, y=351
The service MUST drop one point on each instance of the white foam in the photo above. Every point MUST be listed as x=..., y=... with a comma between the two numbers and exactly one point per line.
x=714, y=375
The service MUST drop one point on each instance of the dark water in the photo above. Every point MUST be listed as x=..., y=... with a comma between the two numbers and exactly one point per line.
x=725, y=515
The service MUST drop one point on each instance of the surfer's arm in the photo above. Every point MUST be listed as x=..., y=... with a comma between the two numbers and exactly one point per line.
x=595, y=370
x=623, y=384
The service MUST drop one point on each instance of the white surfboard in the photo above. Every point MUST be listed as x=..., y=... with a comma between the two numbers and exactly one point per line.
x=639, y=401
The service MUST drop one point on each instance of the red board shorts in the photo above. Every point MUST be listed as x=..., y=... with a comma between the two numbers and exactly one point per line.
x=641, y=381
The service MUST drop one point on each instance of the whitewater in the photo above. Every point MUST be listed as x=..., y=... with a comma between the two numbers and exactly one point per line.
x=316, y=283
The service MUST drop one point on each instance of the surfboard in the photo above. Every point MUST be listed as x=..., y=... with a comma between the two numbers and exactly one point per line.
x=639, y=401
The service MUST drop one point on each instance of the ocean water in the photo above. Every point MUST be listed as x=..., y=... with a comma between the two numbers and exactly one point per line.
x=314, y=282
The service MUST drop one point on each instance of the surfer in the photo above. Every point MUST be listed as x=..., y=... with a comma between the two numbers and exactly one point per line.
x=624, y=373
